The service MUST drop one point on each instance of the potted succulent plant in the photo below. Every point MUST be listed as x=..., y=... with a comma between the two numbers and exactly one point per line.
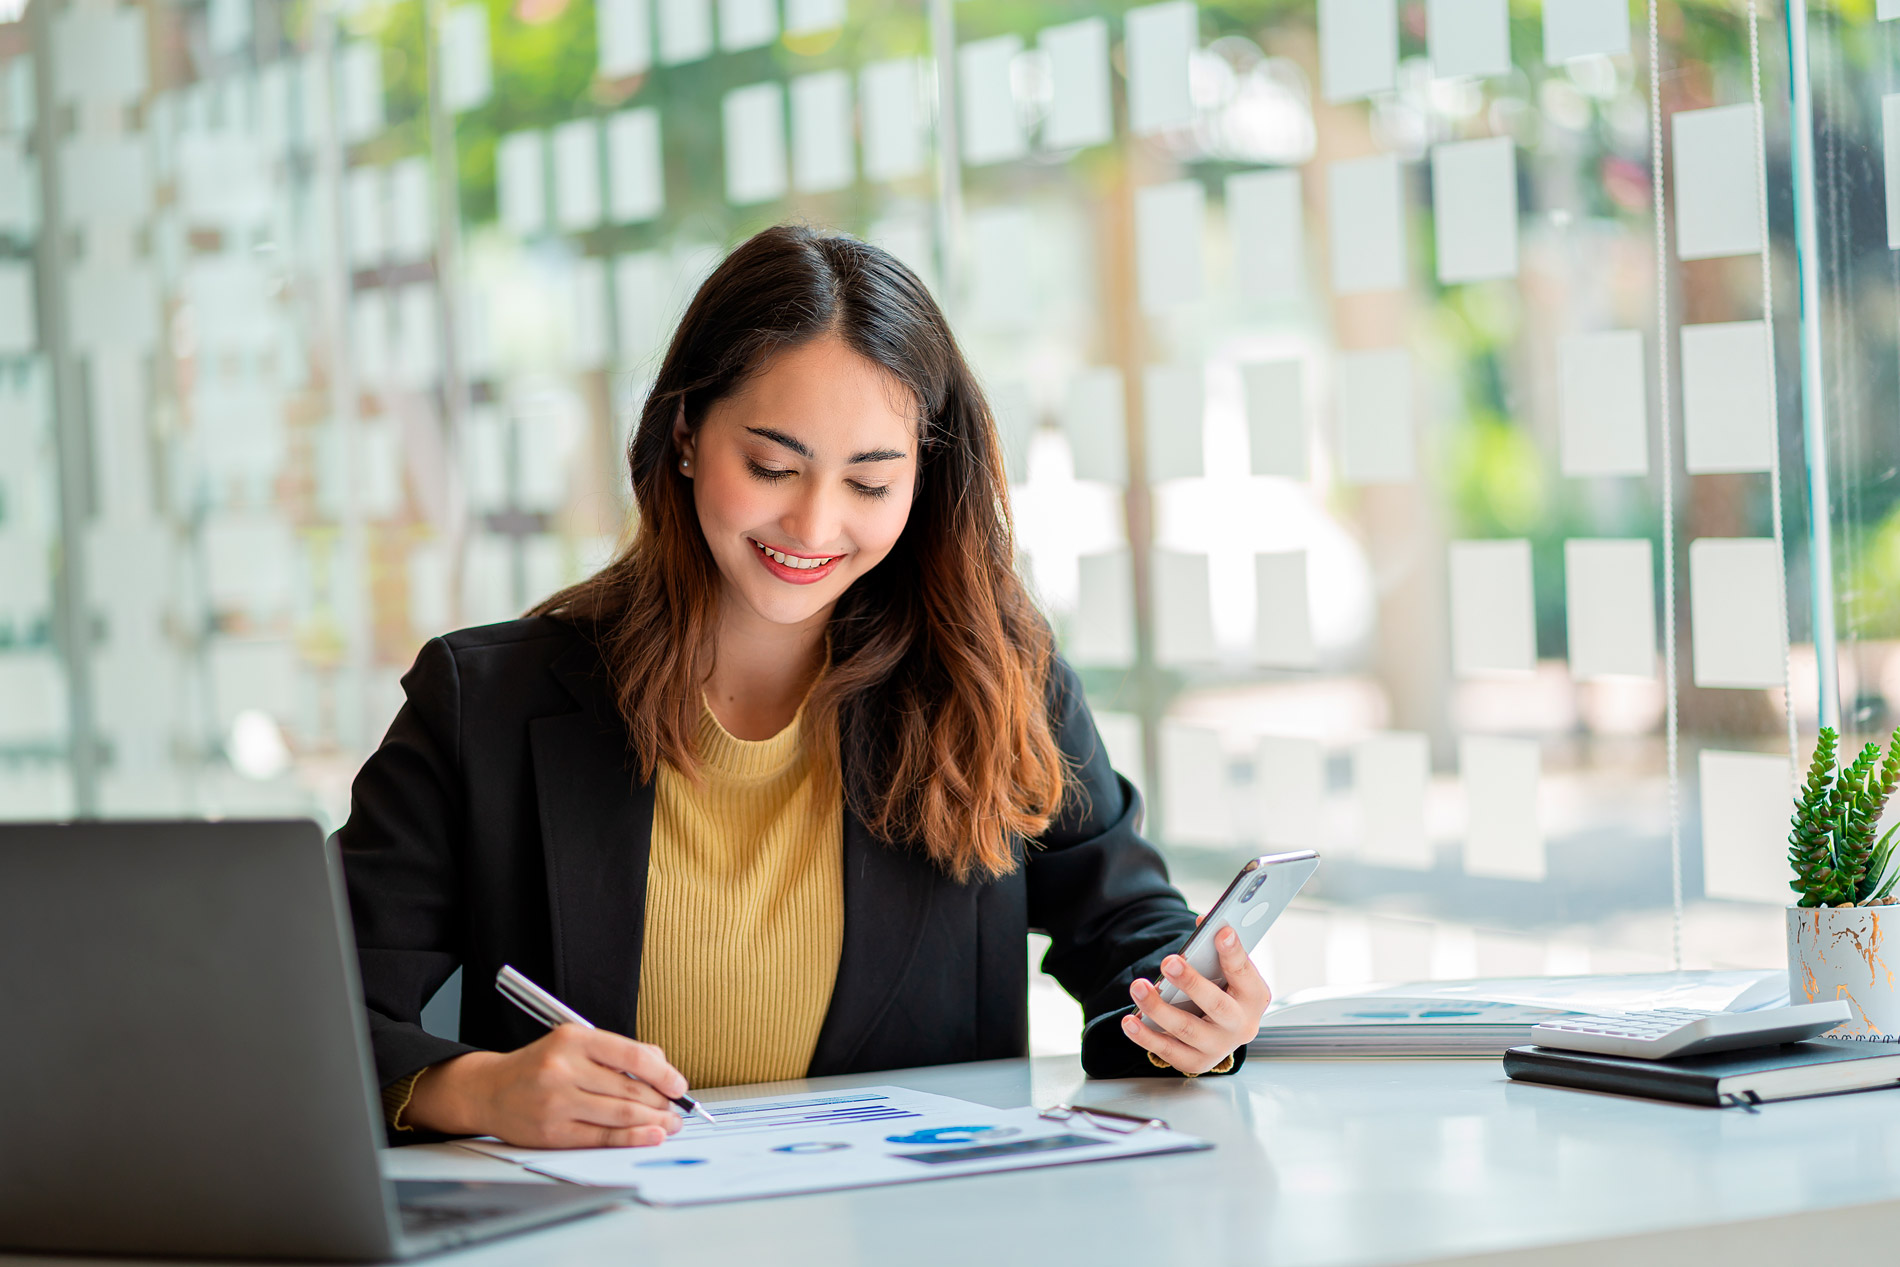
x=1837, y=931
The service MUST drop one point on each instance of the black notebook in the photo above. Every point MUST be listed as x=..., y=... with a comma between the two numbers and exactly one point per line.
x=1820, y=1066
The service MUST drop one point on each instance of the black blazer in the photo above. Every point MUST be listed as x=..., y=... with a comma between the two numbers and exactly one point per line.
x=499, y=823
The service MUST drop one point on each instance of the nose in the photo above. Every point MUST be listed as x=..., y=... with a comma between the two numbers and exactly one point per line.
x=815, y=519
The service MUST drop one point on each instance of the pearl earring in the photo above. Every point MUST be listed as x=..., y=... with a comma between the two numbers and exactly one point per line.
x=685, y=463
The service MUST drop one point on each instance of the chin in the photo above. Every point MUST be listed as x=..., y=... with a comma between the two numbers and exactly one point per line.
x=783, y=605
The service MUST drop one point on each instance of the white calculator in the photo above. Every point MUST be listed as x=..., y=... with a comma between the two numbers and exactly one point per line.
x=1678, y=1031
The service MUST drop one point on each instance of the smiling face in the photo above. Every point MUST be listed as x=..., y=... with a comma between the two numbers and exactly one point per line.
x=803, y=480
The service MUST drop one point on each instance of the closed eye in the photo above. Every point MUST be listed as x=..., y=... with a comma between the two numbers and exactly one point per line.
x=770, y=474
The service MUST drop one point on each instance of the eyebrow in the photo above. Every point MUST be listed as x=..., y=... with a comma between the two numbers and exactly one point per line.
x=798, y=447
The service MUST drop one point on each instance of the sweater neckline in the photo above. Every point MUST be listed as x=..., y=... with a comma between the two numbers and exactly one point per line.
x=725, y=753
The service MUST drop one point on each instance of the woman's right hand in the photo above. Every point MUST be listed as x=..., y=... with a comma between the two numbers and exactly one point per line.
x=568, y=1089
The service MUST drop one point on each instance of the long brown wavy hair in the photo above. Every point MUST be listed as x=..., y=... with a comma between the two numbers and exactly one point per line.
x=935, y=697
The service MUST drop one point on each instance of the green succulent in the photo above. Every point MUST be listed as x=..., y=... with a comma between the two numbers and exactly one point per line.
x=1811, y=843
x=1831, y=845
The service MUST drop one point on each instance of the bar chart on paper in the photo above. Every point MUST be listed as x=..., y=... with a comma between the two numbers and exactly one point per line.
x=863, y=1137
x=875, y=1104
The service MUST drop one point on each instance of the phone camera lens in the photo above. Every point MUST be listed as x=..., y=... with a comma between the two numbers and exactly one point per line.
x=1246, y=894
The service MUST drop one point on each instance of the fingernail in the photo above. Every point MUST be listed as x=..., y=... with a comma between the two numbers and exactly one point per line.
x=1141, y=987
x=1171, y=965
x=1229, y=938
x=1130, y=1024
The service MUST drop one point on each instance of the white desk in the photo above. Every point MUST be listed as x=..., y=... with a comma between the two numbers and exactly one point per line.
x=1320, y=1162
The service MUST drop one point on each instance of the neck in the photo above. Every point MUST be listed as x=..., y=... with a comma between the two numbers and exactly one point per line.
x=762, y=670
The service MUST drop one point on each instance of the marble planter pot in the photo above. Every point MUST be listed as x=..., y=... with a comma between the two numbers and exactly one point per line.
x=1845, y=952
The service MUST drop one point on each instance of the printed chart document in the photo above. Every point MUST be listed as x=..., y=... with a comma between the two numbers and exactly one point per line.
x=858, y=1138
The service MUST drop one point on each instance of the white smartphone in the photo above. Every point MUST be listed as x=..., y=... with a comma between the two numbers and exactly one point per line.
x=1249, y=906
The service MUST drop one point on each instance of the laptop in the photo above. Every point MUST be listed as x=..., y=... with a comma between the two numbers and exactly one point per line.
x=184, y=1066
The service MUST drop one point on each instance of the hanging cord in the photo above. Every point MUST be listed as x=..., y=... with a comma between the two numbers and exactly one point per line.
x=1671, y=717
x=1774, y=392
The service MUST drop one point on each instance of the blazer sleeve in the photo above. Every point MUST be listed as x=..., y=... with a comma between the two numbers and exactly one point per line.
x=400, y=866
x=1101, y=892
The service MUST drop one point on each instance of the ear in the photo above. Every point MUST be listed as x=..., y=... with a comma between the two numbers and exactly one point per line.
x=682, y=438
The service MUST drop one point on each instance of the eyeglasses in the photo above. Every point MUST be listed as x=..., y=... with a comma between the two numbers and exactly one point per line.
x=1102, y=1119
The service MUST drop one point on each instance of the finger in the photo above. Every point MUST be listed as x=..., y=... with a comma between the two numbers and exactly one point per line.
x=1193, y=1030
x=570, y=1059
x=1179, y=1055
x=1171, y=1017
x=1199, y=918
x=601, y=1110
x=601, y=1080
x=1213, y=1001
x=1244, y=981
x=587, y=1135
x=643, y=1060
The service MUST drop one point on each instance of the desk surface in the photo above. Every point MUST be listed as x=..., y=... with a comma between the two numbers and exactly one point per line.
x=1317, y=1162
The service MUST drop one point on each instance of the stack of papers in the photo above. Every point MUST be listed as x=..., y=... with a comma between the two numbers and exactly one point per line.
x=857, y=1138
x=1485, y=1017
x=1396, y=1027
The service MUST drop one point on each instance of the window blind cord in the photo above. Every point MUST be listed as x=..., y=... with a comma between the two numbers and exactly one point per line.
x=1774, y=391
x=1671, y=715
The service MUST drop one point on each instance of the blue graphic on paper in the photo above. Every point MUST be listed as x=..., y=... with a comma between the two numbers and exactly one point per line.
x=953, y=1135
x=811, y=1146
x=669, y=1163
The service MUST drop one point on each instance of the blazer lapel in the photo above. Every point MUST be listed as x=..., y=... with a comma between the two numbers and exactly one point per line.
x=596, y=833
x=887, y=896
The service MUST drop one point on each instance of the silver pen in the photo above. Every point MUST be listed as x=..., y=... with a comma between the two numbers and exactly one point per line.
x=550, y=1011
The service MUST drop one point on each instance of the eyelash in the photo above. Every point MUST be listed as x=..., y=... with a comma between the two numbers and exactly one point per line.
x=771, y=476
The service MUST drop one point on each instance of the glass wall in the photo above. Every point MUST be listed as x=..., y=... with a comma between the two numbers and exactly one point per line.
x=1855, y=67
x=1404, y=401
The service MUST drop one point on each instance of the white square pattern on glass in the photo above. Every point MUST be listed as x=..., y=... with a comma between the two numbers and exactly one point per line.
x=1373, y=396
x=1283, y=623
x=986, y=101
x=1581, y=28
x=1390, y=774
x=1744, y=825
x=1079, y=104
x=1358, y=48
x=1159, y=40
x=1474, y=201
x=1168, y=249
x=1717, y=185
x=1736, y=621
x=755, y=144
x=1727, y=410
x=1493, y=623
x=1468, y=37
x=1610, y=608
x=1366, y=221
x=1503, y=834
x=1266, y=224
x=1276, y=417
x=1602, y=404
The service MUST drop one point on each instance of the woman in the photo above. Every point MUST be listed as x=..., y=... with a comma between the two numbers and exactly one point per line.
x=782, y=789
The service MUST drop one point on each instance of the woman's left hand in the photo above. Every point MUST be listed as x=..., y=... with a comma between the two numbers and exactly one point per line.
x=1194, y=1044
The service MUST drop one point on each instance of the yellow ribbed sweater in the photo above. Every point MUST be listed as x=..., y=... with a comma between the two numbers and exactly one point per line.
x=744, y=910
x=744, y=915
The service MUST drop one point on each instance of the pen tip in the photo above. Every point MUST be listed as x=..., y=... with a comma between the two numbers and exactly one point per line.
x=701, y=1110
